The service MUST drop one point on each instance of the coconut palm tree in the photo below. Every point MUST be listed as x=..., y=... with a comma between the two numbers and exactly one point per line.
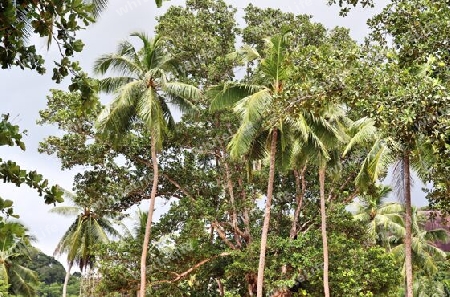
x=143, y=90
x=325, y=133
x=89, y=228
x=383, y=219
x=14, y=245
x=424, y=251
x=321, y=138
x=411, y=155
x=254, y=103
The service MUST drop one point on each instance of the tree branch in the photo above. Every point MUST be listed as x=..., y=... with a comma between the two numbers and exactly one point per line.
x=186, y=273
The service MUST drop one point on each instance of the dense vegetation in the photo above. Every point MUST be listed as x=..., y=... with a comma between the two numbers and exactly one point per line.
x=271, y=155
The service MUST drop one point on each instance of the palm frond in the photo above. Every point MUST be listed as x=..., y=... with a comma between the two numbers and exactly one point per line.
x=66, y=210
x=99, y=6
x=23, y=280
x=227, y=95
x=274, y=63
x=107, y=226
x=111, y=84
x=116, y=118
x=244, y=55
x=242, y=141
x=361, y=131
x=435, y=235
x=183, y=95
x=150, y=111
x=65, y=243
x=375, y=164
x=120, y=64
x=252, y=108
x=422, y=159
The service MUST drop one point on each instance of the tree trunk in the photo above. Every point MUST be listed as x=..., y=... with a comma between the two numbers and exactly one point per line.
x=408, y=235
x=323, y=215
x=300, y=188
x=220, y=287
x=248, y=236
x=66, y=279
x=265, y=229
x=149, y=219
x=232, y=202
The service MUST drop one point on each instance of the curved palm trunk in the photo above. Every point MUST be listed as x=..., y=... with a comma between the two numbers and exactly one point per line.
x=149, y=219
x=408, y=233
x=265, y=229
x=66, y=279
x=323, y=215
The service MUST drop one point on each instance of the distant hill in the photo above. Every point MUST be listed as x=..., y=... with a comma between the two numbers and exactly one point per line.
x=51, y=275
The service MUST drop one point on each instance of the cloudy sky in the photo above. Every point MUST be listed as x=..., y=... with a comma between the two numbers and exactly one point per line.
x=24, y=94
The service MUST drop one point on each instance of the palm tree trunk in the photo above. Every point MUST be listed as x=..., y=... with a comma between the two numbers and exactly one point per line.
x=66, y=279
x=149, y=219
x=265, y=229
x=408, y=235
x=323, y=215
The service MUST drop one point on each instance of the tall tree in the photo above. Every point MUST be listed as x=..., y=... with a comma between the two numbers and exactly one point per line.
x=90, y=227
x=253, y=102
x=142, y=93
x=407, y=128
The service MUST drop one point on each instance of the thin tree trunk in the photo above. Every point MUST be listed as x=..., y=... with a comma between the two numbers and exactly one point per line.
x=265, y=229
x=323, y=215
x=149, y=219
x=220, y=287
x=247, y=237
x=408, y=235
x=232, y=202
x=300, y=188
x=66, y=279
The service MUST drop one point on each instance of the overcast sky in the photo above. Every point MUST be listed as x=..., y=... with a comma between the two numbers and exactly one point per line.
x=24, y=94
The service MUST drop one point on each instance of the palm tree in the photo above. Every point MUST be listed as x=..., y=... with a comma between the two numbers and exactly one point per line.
x=89, y=228
x=321, y=137
x=411, y=155
x=142, y=94
x=383, y=219
x=324, y=134
x=254, y=104
x=423, y=248
x=15, y=244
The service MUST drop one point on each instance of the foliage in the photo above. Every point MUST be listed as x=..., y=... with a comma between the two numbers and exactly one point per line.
x=200, y=35
x=14, y=249
x=49, y=270
x=10, y=172
x=57, y=21
x=328, y=99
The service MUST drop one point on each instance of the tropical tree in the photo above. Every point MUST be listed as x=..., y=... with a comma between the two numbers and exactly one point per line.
x=15, y=244
x=143, y=91
x=424, y=251
x=254, y=103
x=91, y=226
x=320, y=146
x=382, y=219
x=418, y=71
